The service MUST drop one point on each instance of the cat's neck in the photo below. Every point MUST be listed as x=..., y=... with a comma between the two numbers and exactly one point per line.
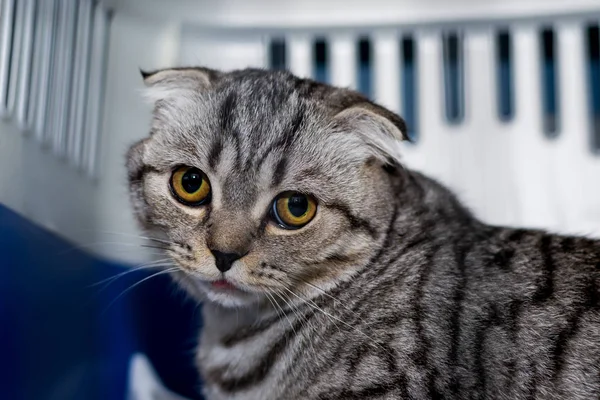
x=419, y=193
x=224, y=321
x=424, y=205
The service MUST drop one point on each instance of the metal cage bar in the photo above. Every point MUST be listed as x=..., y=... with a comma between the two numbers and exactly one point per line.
x=8, y=10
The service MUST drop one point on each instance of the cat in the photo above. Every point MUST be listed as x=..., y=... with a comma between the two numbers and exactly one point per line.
x=328, y=270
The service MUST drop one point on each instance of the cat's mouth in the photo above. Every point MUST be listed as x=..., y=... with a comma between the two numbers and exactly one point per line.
x=222, y=284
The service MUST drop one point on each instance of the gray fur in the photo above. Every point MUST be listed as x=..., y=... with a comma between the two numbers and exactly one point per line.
x=394, y=290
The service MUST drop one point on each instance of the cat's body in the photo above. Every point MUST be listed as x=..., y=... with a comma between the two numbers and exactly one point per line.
x=449, y=308
x=393, y=292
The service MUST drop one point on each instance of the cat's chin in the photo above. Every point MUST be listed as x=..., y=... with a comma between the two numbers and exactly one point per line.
x=231, y=298
x=217, y=293
x=225, y=296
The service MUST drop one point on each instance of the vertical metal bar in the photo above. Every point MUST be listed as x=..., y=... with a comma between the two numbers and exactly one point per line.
x=58, y=83
x=47, y=8
x=96, y=90
x=79, y=89
x=15, y=58
x=68, y=13
x=8, y=9
x=23, y=101
x=55, y=74
x=54, y=88
x=34, y=87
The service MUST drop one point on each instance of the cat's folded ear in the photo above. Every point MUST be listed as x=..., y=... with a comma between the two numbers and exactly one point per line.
x=175, y=83
x=380, y=129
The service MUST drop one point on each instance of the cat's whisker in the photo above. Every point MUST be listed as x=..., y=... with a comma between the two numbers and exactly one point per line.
x=115, y=278
x=99, y=245
x=335, y=300
x=166, y=271
x=284, y=313
x=302, y=317
x=149, y=246
x=270, y=301
x=153, y=264
x=273, y=303
x=289, y=304
x=168, y=242
x=319, y=289
x=109, y=281
x=316, y=307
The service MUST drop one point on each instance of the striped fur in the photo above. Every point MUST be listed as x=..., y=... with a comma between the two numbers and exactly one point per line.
x=394, y=291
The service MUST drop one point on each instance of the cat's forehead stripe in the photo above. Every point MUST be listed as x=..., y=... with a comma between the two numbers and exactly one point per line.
x=279, y=172
x=226, y=111
x=215, y=152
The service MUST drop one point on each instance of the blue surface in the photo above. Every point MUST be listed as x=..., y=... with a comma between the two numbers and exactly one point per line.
x=59, y=339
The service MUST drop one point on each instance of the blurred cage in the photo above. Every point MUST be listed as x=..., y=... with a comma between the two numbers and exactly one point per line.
x=502, y=98
x=52, y=71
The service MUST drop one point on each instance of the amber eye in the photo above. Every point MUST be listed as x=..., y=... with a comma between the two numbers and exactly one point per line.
x=190, y=186
x=293, y=210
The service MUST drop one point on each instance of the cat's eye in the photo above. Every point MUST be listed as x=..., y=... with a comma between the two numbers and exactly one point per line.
x=293, y=210
x=190, y=186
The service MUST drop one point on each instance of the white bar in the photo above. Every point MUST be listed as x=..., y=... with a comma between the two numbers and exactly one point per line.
x=36, y=64
x=300, y=55
x=480, y=71
x=24, y=100
x=482, y=146
x=430, y=86
x=528, y=104
x=573, y=90
x=343, y=60
x=15, y=60
x=96, y=89
x=8, y=9
x=47, y=26
x=63, y=75
x=530, y=149
x=54, y=87
x=80, y=83
x=576, y=169
x=387, y=70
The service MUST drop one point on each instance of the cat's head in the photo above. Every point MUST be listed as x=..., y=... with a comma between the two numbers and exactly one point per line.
x=263, y=183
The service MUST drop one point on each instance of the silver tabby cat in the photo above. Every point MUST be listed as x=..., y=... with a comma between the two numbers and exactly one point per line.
x=329, y=271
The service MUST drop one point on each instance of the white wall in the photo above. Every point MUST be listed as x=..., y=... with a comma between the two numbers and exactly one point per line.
x=36, y=184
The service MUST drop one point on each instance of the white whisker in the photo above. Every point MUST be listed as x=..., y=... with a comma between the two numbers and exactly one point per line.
x=153, y=264
x=316, y=307
x=138, y=237
x=286, y=316
x=166, y=271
